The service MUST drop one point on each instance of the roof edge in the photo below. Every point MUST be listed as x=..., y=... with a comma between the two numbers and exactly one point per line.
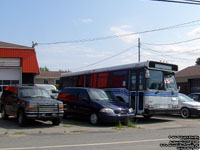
x=17, y=47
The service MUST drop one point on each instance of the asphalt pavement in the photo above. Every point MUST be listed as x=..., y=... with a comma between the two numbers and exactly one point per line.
x=75, y=134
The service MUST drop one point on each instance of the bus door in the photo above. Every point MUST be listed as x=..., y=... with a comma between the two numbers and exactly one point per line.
x=137, y=91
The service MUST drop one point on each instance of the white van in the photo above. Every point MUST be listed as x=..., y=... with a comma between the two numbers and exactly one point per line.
x=50, y=88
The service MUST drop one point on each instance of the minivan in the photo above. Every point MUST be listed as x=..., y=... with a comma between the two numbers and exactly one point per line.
x=94, y=104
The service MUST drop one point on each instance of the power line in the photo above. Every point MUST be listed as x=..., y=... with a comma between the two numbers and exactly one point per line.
x=165, y=54
x=173, y=43
x=106, y=58
x=183, y=2
x=121, y=35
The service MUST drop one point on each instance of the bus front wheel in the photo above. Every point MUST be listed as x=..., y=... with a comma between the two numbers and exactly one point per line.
x=147, y=116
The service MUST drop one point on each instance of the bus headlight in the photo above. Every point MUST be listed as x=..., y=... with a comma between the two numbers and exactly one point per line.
x=106, y=110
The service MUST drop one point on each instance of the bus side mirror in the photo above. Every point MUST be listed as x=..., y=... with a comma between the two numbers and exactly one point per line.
x=147, y=74
x=179, y=88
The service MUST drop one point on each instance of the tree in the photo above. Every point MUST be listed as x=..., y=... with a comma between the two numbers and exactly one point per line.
x=198, y=61
x=44, y=69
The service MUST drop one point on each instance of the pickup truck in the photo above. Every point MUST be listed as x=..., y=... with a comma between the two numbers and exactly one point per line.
x=29, y=102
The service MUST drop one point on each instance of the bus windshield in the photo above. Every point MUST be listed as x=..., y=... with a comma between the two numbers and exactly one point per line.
x=170, y=82
x=159, y=80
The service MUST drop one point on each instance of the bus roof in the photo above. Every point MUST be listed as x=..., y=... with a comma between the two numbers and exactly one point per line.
x=147, y=64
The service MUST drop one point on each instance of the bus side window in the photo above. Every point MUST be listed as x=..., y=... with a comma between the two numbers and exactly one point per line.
x=133, y=81
x=102, y=80
x=119, y=79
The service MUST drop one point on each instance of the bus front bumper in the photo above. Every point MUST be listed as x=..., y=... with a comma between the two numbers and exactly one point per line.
x=161, y=111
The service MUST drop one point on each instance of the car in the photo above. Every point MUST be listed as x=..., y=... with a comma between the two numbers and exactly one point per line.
x=94, y=104
x=30, y=102
x=188, y=106
x=50, y=88
x=195, y=96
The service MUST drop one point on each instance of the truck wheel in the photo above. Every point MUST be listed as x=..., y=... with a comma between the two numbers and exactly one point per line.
x=56, y=121
x=4, y=116
x=94, y=120
x=21, y=118
x=185, y=113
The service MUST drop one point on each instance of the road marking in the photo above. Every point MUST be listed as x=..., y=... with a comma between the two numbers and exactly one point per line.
x=82, y=145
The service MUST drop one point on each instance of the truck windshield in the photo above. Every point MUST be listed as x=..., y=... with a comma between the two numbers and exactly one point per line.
x=160, y=80
x=98, y=94
x=33, y=93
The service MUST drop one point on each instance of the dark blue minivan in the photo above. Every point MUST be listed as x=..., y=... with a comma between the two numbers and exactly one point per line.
x=94, y=104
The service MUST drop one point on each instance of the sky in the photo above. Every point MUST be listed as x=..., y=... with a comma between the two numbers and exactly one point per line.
x=49, y=21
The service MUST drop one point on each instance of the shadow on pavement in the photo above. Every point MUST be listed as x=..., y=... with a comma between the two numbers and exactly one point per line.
x=11, y=123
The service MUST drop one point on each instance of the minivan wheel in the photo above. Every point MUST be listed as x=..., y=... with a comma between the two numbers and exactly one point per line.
x=4, y=116
x=185, y=113
x=94, y=119
x=21, y=118
x=56, y=121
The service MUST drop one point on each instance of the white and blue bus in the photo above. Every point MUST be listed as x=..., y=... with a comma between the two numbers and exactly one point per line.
x=148, y=87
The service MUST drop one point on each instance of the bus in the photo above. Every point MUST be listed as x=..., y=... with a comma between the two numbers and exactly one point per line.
x=148, y=87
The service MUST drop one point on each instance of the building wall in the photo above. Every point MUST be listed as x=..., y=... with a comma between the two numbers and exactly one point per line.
x=184, y=87
x=46, y=81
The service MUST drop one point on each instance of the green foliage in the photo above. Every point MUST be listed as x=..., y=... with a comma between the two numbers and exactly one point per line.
x=198, y=61
x=44, y=68
x=129, y=123
x=119, y=126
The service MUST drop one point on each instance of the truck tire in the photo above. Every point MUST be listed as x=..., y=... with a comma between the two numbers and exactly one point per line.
x=4, y=116
x=56, y=121
x=21, y=118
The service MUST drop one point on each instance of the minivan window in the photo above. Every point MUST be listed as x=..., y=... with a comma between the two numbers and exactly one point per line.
x=83, y=95
x=97, y=94
x=70, y=94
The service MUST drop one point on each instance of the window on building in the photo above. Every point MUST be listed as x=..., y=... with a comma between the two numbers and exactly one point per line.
x=46, y=81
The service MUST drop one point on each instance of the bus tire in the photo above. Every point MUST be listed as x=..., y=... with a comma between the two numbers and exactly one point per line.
x=147, y=116
x=185, y=112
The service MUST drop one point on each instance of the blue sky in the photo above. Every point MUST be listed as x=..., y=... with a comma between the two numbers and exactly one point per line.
x=46, y=21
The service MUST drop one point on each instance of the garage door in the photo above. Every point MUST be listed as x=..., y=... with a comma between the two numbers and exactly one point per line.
x=10, y=76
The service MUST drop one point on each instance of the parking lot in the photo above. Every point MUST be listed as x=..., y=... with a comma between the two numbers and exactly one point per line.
x=73, y=126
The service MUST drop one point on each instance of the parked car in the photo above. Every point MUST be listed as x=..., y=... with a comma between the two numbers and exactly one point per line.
x=29, y=102
x=50, y=88
x=94, y=104
x=195, y=96
x=188, y=106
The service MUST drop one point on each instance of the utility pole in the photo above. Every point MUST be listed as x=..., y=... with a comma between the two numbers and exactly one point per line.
x=138, y=49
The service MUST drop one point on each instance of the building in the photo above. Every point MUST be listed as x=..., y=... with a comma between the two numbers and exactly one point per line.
x=18, y=64
x=48, y=77
x=188, y=79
